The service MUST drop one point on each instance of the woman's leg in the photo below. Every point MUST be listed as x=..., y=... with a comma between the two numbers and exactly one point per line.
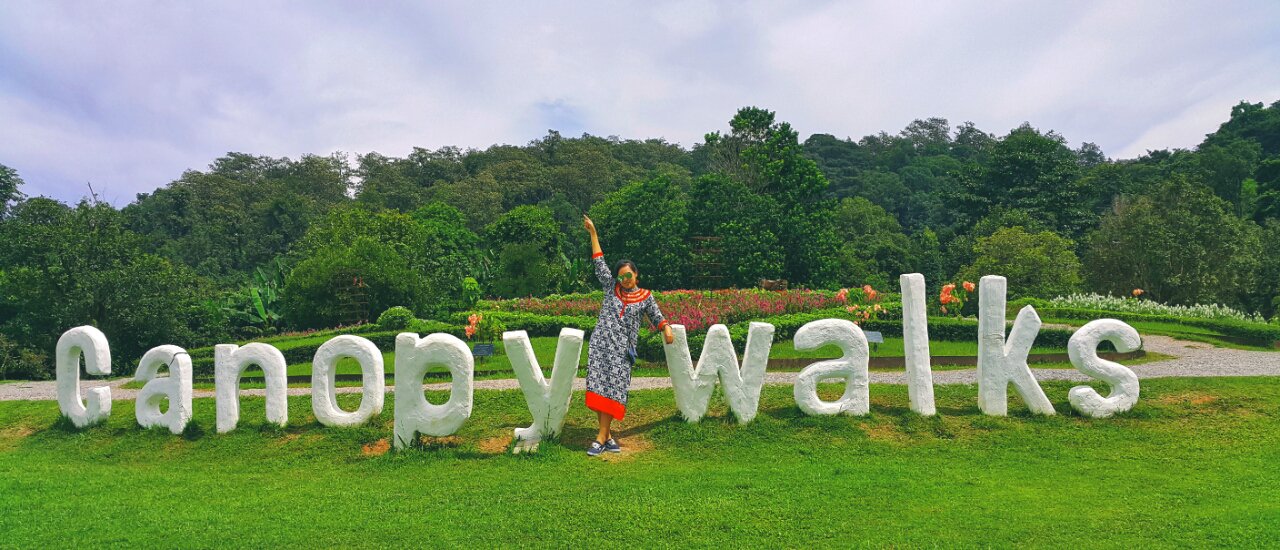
x=605, y=421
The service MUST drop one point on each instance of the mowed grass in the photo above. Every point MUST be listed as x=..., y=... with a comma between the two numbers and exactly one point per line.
x=1196, y=462
x=1180, y=332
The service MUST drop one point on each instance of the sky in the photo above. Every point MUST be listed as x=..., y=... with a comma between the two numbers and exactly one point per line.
x=127, y=95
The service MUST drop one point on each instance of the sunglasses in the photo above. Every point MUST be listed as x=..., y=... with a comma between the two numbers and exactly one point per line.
x=626, y=276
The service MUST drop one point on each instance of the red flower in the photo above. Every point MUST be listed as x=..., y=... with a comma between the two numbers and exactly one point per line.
x=968, y=286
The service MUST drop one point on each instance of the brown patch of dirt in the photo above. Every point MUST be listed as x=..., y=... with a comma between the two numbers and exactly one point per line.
x=10, y=436
x=632, y=445
x=377, y=448
x=494, y=445
x=439, y=442
x=882, y=432
x=1198, y=399
x=286, y=439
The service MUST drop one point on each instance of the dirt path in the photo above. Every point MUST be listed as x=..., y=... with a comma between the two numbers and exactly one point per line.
x=1191, y=359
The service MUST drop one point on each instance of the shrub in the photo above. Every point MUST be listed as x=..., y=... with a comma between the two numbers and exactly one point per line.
x=22, y=363
x=395, y=318
x=490, y=328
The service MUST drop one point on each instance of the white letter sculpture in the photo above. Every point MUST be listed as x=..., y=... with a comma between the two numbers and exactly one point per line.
x=91, y=343
x=1083, y=351
x=915, y=343
x=719, y=361
x=324, y=390
x=414, y=414
x=852, y=366
x=548, y=402
x=176, y=388
x=1000, y=363
x=229, y=362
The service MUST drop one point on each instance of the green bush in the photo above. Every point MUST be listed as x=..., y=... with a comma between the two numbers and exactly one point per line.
x=395, y=318
x=17, y=362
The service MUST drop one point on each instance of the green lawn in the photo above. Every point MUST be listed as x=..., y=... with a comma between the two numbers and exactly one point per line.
x=1194, y=463
x=1175, y=330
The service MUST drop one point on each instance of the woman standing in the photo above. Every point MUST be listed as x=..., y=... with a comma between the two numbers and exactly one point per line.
x=611, y=350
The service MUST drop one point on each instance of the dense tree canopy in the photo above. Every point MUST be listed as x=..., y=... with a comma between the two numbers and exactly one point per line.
x=253, y=244
x=1180, y=245
x=647, y=223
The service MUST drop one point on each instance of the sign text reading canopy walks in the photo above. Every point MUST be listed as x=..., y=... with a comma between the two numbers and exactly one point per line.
x=1001, y=361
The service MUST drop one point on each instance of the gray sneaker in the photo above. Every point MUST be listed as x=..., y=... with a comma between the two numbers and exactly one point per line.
x=612, y=446
x=595, y=449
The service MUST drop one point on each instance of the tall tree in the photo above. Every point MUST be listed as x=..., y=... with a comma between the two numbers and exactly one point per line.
x=647, y=222
x=1041, y=264
x=9, y=192
x=770, y=161
x=74, y=266
x=1181, y=244
x=1031, y=171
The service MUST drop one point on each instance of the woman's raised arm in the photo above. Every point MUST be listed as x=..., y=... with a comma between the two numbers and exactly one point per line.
x=595, y=241
x=597, y=256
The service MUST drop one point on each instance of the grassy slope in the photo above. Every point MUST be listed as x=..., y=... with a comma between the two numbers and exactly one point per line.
x=1194, y=463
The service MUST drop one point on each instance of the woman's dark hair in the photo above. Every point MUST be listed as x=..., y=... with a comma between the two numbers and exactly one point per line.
x=618, y=265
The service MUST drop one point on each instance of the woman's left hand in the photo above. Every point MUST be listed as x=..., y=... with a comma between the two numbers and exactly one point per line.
x=666, y=334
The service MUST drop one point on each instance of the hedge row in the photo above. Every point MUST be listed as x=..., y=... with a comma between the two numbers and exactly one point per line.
x=650, y=347
x=1253, y=333
x=533, y=323
x=649, y=344
x=302, y=350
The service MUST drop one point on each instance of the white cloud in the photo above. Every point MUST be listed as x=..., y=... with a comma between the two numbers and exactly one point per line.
x=130, y=95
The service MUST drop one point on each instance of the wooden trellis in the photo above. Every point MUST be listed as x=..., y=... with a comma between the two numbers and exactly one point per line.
x=352, y=297
x=708, y=264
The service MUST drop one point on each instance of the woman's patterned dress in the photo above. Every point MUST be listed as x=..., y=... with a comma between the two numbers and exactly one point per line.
x=617, y=328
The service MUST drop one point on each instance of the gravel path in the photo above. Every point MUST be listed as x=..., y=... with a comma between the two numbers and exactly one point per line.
x=1191, y=359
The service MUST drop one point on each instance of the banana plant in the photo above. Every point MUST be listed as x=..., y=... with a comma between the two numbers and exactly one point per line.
x=264, y=295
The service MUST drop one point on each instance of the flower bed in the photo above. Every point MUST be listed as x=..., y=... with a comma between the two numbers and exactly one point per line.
x=697, y=310
x=1148, y=307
